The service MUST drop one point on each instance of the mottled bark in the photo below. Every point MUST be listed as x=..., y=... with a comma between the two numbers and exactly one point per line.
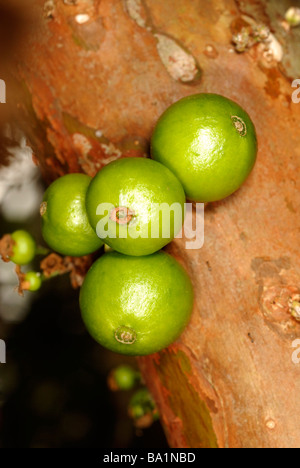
x=94, y=87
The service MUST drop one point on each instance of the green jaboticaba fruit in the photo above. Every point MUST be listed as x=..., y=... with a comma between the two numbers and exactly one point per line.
x=136, y=305
x=142, y=403
x=34, y=280
x=24, y=248
x=125, y=377
x=65, y=225
x=136, y=205
x=209, y=142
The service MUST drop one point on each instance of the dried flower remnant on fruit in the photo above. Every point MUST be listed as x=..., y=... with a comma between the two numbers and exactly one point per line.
x=125, y=335
x=239, y=125
x=43, y=208
x=292, y=16
x=6, y=247
x=121, y=215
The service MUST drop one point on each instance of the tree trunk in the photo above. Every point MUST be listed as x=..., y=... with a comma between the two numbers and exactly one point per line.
x=96, y=75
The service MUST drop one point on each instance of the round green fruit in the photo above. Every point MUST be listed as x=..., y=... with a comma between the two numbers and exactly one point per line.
x=136, y=305
x=65, y=225
x=24, y=248
x=142, y=403
x=125, y=377
x=34, y=280
x=209, y=142
x=135, y=205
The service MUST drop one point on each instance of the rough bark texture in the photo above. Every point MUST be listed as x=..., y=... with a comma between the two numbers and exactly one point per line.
x=93, y=93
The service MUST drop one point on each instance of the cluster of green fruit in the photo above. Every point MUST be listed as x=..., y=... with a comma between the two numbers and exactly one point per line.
x=137, y=299
x=133, y=300
x=141, y=407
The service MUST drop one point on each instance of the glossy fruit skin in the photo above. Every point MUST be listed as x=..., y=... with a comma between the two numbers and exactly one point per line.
x=34, y=279
x=152, y=296
x=197, y=139
x=65, y=225
x=24, y=249
x=136, y=184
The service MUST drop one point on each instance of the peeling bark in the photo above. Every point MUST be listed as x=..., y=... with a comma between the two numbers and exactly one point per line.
x=94, y=91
